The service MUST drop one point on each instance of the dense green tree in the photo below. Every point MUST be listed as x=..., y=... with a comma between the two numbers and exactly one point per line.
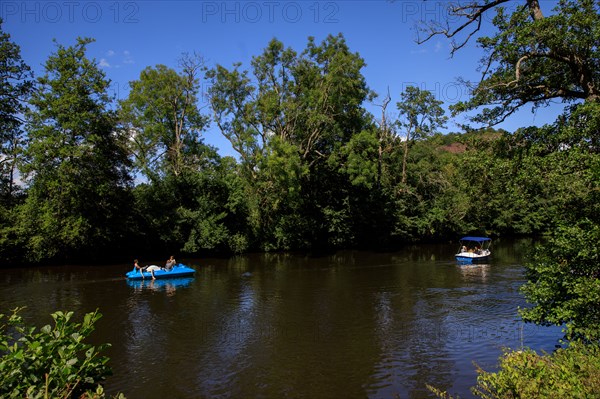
x=78, y=194
x=420, y=115
x=256, y=127
x=411, y=184
x=368, y=162
x=331, y=91
x=360, y=159
x=312, y=100
x=280, y=186
x=564, y=282
x=302, y=110
x=435, y=197
x=15, y=86
x=162, y=118
x=183, y=206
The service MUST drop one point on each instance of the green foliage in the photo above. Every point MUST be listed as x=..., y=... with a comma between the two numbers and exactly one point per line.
x=571, y=372
x=536, y=178
x=289, y=130
x=278, y=193
x=78, y=197
x=180, y=211
x=162, y=119
x=420, y=115
x=564, y=281
x=361, y=159
x=15, y=87
x=52, y=362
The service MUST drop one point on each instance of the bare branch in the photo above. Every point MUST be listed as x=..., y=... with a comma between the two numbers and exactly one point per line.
x=473, y=12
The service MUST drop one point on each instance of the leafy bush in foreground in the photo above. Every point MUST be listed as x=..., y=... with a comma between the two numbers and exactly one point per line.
x=564, y=282
x=567, y=373
x=570, y=372
x=52, y=362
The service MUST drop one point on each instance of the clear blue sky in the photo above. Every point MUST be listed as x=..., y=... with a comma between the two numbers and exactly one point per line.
x=131, y=35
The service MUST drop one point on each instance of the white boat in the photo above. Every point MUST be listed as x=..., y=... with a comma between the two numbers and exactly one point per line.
x=474, y=249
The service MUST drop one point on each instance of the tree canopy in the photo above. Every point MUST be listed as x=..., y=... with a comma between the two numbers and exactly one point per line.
x=162, y=119
x=75, y=159
x=15, y=86
x=534, y=56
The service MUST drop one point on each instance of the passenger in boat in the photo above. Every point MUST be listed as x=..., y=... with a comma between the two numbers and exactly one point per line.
x=171, y=262
x=463, y=249
x=152, y=269
x=137, y=266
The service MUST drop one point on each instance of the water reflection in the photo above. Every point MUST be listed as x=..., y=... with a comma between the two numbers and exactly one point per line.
x=170, y=286
x=474, y=271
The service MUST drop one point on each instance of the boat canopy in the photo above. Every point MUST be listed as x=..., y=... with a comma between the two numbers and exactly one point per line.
x=476, y=239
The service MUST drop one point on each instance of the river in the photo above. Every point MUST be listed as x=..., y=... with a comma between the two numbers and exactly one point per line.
x=354, y=324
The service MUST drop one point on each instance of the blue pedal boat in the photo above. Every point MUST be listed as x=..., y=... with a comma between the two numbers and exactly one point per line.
x=179, y=270
x=474, y=249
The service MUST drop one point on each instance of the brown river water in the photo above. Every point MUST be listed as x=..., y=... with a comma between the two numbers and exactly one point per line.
x=350, y=325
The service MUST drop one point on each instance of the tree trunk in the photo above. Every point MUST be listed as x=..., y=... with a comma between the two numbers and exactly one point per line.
x=535, y=10
x=382, y=136
x=404, y=158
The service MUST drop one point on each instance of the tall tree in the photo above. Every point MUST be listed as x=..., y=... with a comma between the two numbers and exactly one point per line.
x=260, y=122
x=534, y=56
x=302, y=110
x=15, y=85
x=332, y=89
x=181, y=205
x=162, y=117
x=420, y=115
x=312, y=100
x=76, y=161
